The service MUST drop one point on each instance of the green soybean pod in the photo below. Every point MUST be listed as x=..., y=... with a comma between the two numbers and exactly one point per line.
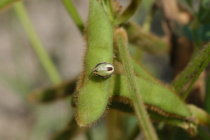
x=155, y=88
x=93, y=91
x=158, y=95
x=159, y=99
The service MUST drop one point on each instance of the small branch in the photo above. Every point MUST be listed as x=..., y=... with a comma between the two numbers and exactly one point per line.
x=129, y=12
x=144, y=40
x=36, y=43
x=143, y=118
x=192, y=71
x=108, y=8
x=74, y=14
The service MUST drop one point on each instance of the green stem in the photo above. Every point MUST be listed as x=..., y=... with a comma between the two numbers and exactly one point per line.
x=145, y=40
x=192, y=71
x=189, y=88
x=129, y=12
x=143, y=118
x=74, y=14
x=36, y=43
x=108, y=8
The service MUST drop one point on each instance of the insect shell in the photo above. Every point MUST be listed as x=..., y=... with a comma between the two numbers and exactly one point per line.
x=103, y=69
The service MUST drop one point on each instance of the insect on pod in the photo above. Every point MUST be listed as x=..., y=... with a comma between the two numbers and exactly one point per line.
x=103, y=69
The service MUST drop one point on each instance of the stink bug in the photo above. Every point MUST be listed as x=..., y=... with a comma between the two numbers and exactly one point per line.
x=103, y=69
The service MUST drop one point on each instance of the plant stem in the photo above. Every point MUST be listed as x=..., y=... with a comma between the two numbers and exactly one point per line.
x=36, y=43
x=108, y=8
x=145, y=40
x=74, y=14
x=129, y=11
x=192, y=71
x=143, y=118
